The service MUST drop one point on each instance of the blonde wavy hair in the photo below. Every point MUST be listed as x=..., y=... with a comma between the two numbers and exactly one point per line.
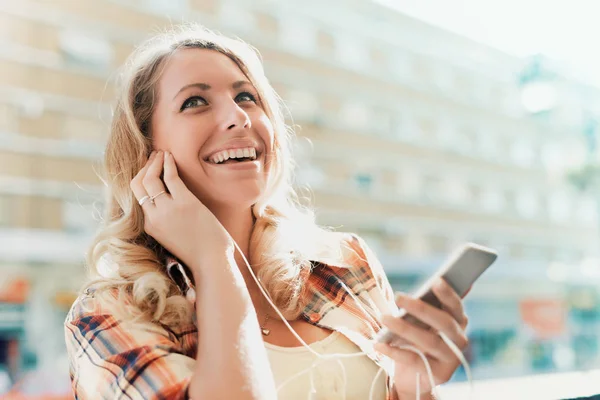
x=126, y=265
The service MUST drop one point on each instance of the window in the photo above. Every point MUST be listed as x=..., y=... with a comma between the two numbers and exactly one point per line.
x=325, y=42
x=559, y=207
x=432, y=186
x=526, y=203
x=299, y=36
x=417, y=245
x=446, y=134
x=5, y=210
x=303, y=105
x=587, y=212
x=465, y=140
x=350, y=51
x=8, y=118
x=381, y=122
x=552, y=157
x=422, y=71
x=409, y=182
x=267, y=24
x=455, y=190
x=84, y=129
x=364, y=181
x=167, y=7
x=79, y=218
x=406, y=128
x=394, y=243
x=455, y=138
x=83, y=50
x=206, y=6
x=492, y=200
x=379, y=58
x=481, y=90
x=311, y=175
x=402, y=64
x=442, y=77
x=427, y=127
x=235, y=16
x=487, y=143
x=523, y=153
x=439, y=243
x=464, y=85
x=354, y=116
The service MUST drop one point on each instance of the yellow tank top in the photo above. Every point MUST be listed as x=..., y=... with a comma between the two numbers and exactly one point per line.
x=328, y=376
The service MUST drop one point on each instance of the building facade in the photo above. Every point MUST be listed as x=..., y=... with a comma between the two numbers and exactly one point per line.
x=409, y=135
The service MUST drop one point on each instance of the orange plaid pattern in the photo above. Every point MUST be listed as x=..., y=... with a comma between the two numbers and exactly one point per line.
x=119, y=360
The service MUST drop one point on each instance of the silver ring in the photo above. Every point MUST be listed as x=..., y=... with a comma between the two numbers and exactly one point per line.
x=156, y=195
x=144, y=199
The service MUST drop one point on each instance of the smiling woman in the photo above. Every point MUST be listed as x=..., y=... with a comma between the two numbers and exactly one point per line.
x=207, y=273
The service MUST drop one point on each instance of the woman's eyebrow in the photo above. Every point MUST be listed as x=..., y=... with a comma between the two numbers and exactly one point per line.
x=199, y=85
x=206, y=86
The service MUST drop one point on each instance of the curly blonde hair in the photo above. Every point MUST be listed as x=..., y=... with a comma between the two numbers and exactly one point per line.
x=284, y=238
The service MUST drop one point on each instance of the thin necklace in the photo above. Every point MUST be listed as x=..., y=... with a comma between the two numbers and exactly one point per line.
x=264, y=330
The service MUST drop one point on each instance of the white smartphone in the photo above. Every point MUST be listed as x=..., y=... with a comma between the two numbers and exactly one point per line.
x=460, y=270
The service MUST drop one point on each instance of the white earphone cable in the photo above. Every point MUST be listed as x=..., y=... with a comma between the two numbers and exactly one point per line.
x=326, y=357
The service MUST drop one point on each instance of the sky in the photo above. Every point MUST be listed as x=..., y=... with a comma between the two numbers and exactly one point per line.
x=565, y=31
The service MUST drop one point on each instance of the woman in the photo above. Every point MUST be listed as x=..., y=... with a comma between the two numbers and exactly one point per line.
x=198, y=165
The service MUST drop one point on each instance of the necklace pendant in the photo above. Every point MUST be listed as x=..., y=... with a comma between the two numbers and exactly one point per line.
x=265, y=331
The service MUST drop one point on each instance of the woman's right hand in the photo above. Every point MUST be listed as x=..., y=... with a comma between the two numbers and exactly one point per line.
x=176, y=218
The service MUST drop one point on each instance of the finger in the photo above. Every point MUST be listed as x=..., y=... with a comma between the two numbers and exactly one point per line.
x=136, y=185
x=172, y=179
x=152, y=181
x=425, y=340
x=434, y=317
x=451, y=301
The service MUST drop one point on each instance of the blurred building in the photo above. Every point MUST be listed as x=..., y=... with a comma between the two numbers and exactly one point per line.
x=409, y=135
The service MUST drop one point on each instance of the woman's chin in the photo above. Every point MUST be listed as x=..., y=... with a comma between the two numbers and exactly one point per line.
x=238, y=197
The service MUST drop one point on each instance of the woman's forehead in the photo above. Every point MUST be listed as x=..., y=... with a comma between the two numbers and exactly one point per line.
x=188, y=66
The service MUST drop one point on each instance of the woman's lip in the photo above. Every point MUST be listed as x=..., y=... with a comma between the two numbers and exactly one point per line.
x=255, y=164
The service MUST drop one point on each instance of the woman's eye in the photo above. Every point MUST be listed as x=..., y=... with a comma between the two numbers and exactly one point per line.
x=194, y=101
x=245, y=96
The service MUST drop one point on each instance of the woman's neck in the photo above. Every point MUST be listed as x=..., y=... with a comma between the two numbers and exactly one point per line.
x=239, y=224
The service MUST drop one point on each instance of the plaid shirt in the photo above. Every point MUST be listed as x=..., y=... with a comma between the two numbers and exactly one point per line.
x=112, y=359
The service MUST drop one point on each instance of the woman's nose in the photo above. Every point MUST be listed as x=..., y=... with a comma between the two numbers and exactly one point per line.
x=232, y=116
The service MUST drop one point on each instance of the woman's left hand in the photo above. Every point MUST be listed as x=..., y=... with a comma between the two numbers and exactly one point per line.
x=451, y=320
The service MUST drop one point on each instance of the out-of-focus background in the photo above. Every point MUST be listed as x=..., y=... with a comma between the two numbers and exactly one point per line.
x=431, y=123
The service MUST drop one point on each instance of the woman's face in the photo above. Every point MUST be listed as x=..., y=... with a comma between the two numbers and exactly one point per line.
x=208, y=115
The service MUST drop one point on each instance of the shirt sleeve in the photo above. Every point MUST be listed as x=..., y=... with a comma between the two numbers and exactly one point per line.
x=109, y=359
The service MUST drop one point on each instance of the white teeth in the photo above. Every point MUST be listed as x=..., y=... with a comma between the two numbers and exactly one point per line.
x=248, y=152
